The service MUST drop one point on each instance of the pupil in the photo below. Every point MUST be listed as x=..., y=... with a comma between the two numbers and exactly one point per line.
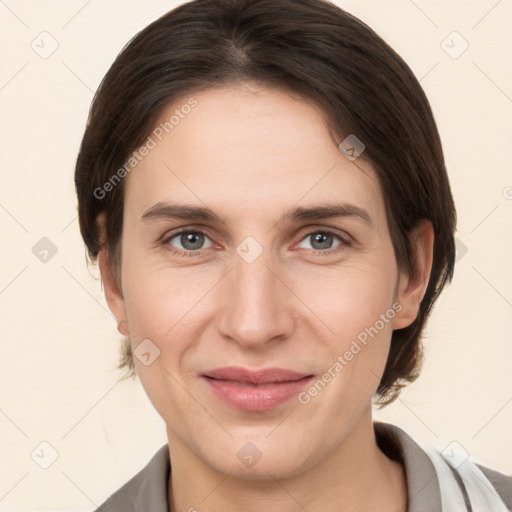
x=321, y=238
x=193, y=239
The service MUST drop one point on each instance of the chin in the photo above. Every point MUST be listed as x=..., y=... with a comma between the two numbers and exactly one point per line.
x=271, y=465
x=259, y=456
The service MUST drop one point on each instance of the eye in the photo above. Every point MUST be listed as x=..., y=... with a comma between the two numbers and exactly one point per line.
x=322, y=241
x=189, y=242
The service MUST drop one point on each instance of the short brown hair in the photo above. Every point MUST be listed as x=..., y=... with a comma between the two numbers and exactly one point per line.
x=309, y=47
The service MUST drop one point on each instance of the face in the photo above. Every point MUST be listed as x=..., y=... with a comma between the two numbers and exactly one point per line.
x=262, y=324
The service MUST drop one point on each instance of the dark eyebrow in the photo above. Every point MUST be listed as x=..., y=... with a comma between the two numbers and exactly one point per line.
x=178, y=211
x=326, y=211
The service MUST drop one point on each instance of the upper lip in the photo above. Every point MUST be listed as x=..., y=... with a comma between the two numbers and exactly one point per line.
x=262, y=376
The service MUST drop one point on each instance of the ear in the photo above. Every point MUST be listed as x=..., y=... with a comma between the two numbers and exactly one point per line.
x=111, y=288
x=412, y=287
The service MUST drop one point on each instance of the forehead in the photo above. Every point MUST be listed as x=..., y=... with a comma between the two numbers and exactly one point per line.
x=251, y=150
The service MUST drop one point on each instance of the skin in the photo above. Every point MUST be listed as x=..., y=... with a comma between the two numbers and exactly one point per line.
x=252, y=153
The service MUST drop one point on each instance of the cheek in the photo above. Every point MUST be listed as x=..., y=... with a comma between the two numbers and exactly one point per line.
x=349, y=299
x=165, y=309
x=354, y=358
x=165, y=305
x=355, y=314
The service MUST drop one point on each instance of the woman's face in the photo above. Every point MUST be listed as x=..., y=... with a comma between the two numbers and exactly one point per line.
x=262, y=345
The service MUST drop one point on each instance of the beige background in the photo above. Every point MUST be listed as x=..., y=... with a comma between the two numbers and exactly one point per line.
x=59, y=343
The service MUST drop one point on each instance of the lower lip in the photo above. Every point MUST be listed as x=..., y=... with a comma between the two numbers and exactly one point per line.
x=251, y=397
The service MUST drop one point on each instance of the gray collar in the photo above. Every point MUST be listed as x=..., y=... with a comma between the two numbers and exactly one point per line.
x=424, y=493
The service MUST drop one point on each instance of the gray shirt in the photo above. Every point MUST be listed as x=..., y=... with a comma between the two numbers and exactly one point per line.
x=147, y=490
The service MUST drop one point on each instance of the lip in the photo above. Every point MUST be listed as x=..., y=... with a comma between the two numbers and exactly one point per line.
x=255, y=390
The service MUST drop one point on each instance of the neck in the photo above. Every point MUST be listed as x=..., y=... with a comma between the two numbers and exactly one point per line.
x=355, y=476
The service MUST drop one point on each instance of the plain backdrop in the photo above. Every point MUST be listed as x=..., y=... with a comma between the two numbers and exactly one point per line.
x=60, y=345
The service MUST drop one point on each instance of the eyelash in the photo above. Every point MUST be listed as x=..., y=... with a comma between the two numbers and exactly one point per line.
x=343, y=246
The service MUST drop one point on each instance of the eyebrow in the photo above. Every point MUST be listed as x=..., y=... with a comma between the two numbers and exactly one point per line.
x=165, y=211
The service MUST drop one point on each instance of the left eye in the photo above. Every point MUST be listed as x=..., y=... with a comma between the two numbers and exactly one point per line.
x=190, y=240
x=322, y=240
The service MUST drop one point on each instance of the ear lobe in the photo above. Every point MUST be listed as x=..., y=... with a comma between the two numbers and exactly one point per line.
x=111, y=289
x=413, y=286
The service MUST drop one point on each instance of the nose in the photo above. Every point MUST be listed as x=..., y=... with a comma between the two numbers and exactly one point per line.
x=257, y=309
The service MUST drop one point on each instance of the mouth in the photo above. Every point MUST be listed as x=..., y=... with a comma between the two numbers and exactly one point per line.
x=258, y=390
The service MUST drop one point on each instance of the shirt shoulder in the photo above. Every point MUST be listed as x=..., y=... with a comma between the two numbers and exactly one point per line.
x=501, y=482
x=146, y=490
x=423, y=490
x=422, y=481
